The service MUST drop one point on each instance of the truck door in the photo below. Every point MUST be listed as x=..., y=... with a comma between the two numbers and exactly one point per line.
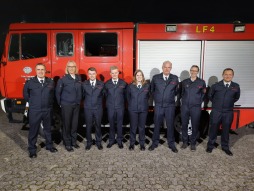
x=25, y=50
x=65, y=47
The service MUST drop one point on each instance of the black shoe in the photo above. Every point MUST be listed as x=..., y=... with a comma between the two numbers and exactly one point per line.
x=69, y=148
x=152, y=147
x=173, y=149
x=131, y=147
x=52, y=150
x=76, y=146
x=142, y=148
x=228, y=152
x=109, y=145
x=100, y=147
x=120, y=145
x=184, y=146
x=193, y=148
x=32, y=155
x=88, y=147
x=209, y=150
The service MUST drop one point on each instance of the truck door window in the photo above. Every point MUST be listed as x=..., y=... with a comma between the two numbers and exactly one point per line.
x=100, y=44
x=14, y=48
x=64, y=44
x=33, y=45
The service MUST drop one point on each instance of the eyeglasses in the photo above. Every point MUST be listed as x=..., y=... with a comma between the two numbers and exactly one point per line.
x=193, y=70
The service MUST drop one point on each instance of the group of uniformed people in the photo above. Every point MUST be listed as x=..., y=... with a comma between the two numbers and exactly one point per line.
x=39, y=92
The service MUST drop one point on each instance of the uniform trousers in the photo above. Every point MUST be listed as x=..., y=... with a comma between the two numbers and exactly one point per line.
x=194, y=113
x=35, y=119
x=137, y=121
x=218, y=118
x=115, y=116
x=93, y=117
x=161, y=113
x=70, y=118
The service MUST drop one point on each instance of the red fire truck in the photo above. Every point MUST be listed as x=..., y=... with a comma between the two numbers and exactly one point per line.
x=129, y=46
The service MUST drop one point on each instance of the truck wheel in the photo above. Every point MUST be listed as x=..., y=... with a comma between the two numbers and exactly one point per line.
x=204, y=124
x=178, y=123
x=56, y=127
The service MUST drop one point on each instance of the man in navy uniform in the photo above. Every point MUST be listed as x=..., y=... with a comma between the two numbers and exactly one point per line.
x=223, y=95
x=93, y=95
x=192, y=94
x=39, y=93
x=164, y=87
x=115, y=89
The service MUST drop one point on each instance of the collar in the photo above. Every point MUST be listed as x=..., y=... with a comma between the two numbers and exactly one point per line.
x=39, y=79
x=226, y=83
x=113, y=81
x=73, y=76
x=93, y=81
x=193, y=80
x=165, y=76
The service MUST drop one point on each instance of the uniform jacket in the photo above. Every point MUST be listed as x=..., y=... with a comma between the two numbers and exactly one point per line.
x=93, y=96
x=164, y=92
x=115, y=95
x=138, y=98
x=193, y=93
x=223, y=98
x=68, y=90
x=39, y=97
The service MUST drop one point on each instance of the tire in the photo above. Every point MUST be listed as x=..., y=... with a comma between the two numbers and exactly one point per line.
x=178, y=127
x=203, y=128
x=56, y=127
x=204, y=124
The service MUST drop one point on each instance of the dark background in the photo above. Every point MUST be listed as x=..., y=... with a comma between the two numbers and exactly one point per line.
x=149, y=11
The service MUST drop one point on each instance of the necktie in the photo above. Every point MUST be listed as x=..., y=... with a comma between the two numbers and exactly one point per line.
x=115, y=83
x=42, y=81
x=227, y=85
x=92, y=84
x=166, y=78
x=139, y=86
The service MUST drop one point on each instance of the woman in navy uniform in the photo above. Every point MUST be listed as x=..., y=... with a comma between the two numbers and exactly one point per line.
x=138, y=95
x=39, y=93
x=192, y=94
x=223, y=95
x=115, y=93
x=93, y=96
x=69, y=95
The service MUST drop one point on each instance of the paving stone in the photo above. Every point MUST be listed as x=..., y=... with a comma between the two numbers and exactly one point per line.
x=121, y=169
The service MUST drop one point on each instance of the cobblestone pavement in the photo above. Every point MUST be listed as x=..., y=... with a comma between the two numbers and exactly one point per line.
x=121, y=169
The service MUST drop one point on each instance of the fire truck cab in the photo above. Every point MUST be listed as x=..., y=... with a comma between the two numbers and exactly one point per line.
x=89, y=44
